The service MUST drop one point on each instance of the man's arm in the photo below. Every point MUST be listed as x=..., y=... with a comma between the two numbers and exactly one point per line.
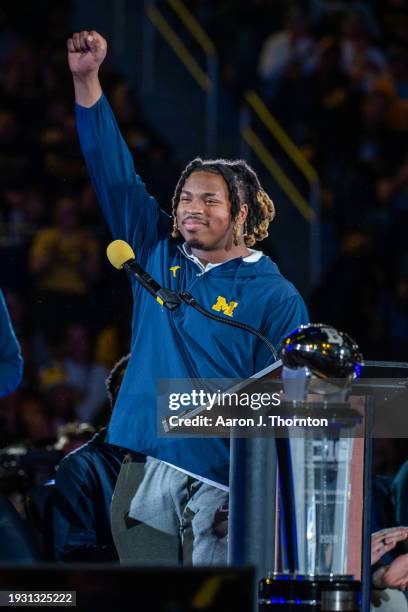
x=11, y=361
x=284, y=318
x=131, y=213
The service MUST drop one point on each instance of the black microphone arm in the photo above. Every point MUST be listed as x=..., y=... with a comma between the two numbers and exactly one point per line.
x=189, y=299
x=163, y=296
x=172, y=300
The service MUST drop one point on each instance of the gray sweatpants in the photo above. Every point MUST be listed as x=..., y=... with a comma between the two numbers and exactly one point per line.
x=184, y=508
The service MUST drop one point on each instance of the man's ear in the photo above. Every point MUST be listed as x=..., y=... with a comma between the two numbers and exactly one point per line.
x=243, y=213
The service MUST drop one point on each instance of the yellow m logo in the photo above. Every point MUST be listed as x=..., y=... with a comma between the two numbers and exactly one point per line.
x=221, y=305
x=174, y=270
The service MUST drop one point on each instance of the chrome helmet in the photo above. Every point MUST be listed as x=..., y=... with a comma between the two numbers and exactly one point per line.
x=326, y=352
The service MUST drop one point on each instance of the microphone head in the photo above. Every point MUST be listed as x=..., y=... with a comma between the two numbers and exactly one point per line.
x=119, y=252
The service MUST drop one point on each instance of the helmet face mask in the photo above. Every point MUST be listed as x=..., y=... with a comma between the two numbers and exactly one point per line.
x=324, y=351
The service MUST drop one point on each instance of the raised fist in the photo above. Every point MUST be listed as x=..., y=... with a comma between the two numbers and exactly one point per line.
x=86, y=52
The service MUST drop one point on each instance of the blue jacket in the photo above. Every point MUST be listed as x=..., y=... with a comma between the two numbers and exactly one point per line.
x=182, y=344
x=11, y=361
x=84, y=485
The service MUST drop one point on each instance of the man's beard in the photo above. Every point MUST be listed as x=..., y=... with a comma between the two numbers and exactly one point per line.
x=195, y=243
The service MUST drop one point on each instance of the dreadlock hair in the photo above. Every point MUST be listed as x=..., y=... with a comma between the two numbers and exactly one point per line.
x=115, y=377
x=243, y=187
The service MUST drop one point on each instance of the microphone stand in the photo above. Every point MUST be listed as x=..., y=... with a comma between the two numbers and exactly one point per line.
x=165, y=297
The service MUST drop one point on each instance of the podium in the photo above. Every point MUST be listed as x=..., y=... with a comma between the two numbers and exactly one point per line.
x=300, y=505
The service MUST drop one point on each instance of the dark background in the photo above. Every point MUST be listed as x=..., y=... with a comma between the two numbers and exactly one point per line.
x=334, y=74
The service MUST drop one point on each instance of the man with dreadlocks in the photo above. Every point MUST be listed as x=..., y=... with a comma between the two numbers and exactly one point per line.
x=219, y=211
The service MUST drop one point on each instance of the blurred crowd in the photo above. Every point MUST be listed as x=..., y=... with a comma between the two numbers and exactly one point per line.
x=335, y=75
x=70, y=311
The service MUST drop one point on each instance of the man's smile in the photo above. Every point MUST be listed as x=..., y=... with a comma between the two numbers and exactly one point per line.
x=193, y=223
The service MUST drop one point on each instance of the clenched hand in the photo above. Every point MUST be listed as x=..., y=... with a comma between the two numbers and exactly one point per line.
x=86, y=52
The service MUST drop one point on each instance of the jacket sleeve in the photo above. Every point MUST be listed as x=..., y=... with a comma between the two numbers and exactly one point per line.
x=11, y=361
x=288, y=314
x=131, y=213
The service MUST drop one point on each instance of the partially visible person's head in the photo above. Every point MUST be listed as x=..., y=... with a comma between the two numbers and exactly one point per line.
x=220, y=202
x=114, y=380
